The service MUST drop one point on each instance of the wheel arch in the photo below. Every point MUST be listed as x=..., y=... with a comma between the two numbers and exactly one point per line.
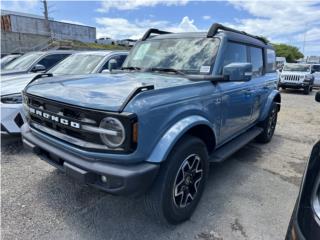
x=196, y=126
x=275, y=96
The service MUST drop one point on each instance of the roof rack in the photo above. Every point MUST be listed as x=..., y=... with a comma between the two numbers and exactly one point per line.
x=217, y=26
x=152, y=31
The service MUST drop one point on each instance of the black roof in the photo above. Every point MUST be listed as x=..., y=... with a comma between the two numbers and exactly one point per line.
x=216, y=30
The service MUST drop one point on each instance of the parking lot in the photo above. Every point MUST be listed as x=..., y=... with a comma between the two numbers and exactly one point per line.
x=249, y=196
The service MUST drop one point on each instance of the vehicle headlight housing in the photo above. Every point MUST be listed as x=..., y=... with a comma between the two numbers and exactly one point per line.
x=12, y=98
x=115, y=133
x=307, y=78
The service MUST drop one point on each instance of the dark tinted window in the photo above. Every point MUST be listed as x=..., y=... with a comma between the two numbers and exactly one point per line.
x=316, y=68
x=119, y=58
x=51, y=60
x=271, y=60
x=256, y=57
x=235, y=52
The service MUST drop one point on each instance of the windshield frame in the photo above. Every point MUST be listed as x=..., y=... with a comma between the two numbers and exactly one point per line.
x=212, y=60
x=39, y=55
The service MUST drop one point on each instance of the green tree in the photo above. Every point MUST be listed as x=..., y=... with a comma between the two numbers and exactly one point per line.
x=291, y=53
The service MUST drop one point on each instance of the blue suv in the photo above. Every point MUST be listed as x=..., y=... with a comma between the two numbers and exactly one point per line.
x=180, y=102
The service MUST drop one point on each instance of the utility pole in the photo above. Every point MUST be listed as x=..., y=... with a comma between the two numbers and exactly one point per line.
x=46, y=17
x=304, y=40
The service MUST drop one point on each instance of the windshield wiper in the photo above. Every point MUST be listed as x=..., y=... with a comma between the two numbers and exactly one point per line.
x=130, y=68
x=219, y=78
x=172, y=70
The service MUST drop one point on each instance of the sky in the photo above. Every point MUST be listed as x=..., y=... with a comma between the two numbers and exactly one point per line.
x=281, y=21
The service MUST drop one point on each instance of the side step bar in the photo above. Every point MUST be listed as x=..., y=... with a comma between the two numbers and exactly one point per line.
x=234, y=145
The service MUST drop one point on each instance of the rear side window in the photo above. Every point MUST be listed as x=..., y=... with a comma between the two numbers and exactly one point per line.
x=235, y=52
x=51, y=60
x=271, y=60
x=256, y=58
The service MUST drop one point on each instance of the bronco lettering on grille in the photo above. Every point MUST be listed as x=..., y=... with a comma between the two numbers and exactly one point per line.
x=54, y=118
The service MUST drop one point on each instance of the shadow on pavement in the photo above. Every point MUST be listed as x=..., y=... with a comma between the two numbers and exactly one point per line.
x=91, y=214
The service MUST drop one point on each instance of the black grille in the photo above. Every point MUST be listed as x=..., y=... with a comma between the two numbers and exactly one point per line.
x=74, y=113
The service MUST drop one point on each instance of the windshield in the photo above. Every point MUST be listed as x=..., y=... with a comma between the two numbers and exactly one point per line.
x=24, y=62
x=297, y=68
x=190, y=55
x=77, y=64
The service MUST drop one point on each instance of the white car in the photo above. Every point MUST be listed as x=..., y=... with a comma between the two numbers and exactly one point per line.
x=106, y=41
x=316, y=74
x=297, y=76
x=89, y=62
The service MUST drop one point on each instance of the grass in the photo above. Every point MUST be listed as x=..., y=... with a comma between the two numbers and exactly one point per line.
x=98, y=46
x=77, y=45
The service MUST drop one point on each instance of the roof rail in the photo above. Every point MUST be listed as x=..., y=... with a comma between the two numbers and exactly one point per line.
x=217, y=26
x=152, y=31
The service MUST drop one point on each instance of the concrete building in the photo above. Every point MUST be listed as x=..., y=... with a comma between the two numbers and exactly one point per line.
x=22, y=32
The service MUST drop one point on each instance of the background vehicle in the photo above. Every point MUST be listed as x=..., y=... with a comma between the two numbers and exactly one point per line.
x=77, y=64
x=106, y=40
x=8, y=59
x=182, y=100
x=280, y=62
x=127, y=42
x=305, y=220
x=35, y=62
x=316, y=75
x=297, y=76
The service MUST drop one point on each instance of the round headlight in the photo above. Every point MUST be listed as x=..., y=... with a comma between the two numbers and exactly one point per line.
x=116, y=135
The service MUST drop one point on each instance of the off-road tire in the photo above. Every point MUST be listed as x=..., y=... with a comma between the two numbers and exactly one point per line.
x=268, y=125
x=161, y=201
x=307, y=90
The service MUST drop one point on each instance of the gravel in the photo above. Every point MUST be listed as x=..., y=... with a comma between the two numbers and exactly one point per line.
x=249, y=196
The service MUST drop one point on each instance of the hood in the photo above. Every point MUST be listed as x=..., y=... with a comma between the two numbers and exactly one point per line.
x=15, y=83
x=100, y=91
x=283, y=73
x=11, y=72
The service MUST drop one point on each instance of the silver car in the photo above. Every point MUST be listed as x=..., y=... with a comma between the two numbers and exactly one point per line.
x=8, y=59
x=35, y=62
x=79, y=63
x=316, y=74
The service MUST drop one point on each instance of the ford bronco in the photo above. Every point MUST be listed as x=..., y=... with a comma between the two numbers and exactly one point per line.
x=180, y=102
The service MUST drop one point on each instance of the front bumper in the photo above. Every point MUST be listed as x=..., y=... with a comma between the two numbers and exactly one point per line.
x=12, y=118
x=129, y=179
x=295, y=85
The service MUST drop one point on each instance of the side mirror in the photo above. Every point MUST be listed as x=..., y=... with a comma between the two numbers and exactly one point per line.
x=238, y=72
x=38, y=68
x=105, y=71
x=317, y=98
x=112, y=64
x=313, y=71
